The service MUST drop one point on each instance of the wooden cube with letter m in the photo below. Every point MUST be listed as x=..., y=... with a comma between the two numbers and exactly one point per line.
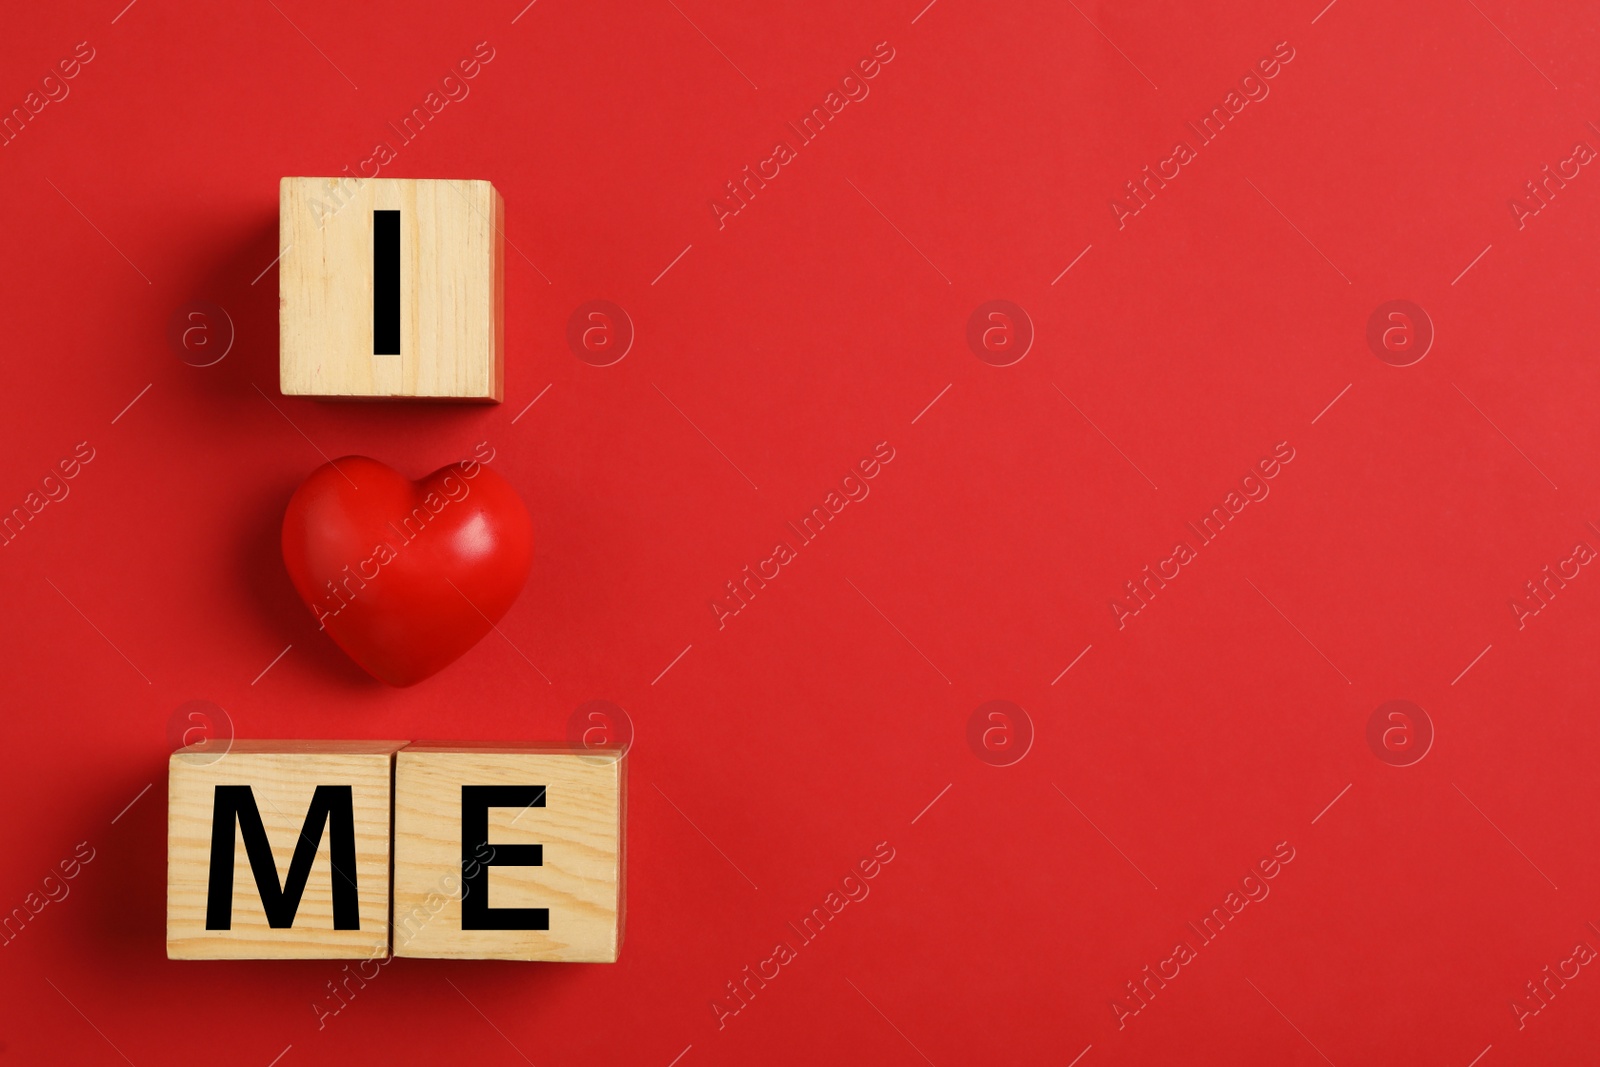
x=280, y=850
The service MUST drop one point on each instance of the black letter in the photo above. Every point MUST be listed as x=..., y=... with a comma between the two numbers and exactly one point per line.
x=386, y=283
x=476, y=800
x=331, y=805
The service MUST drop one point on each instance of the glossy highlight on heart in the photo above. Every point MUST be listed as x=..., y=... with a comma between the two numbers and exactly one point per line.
x=407, y=576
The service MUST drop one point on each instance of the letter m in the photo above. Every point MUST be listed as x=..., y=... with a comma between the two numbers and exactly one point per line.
x=331, y=805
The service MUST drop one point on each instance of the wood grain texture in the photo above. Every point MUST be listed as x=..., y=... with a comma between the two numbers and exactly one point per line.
x=451, y=289
x=282, y=776
x=580, y=827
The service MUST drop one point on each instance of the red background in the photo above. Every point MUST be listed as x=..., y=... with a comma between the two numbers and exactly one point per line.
x=1220, y=321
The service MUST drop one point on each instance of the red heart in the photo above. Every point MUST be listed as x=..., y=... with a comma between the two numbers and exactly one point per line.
x=406, y=576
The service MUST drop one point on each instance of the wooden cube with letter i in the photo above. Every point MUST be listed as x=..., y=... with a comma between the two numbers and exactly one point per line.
x=279, y=850
x=390, y=287
x=509, y=851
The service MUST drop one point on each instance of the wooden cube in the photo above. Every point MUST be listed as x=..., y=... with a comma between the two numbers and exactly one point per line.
x=279, y=850
x=508, y=851
x=390, y=287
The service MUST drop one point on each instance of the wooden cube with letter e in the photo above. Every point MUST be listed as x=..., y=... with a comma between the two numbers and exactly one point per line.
x=390, y=288
x=509, y=851
x=279, y=850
